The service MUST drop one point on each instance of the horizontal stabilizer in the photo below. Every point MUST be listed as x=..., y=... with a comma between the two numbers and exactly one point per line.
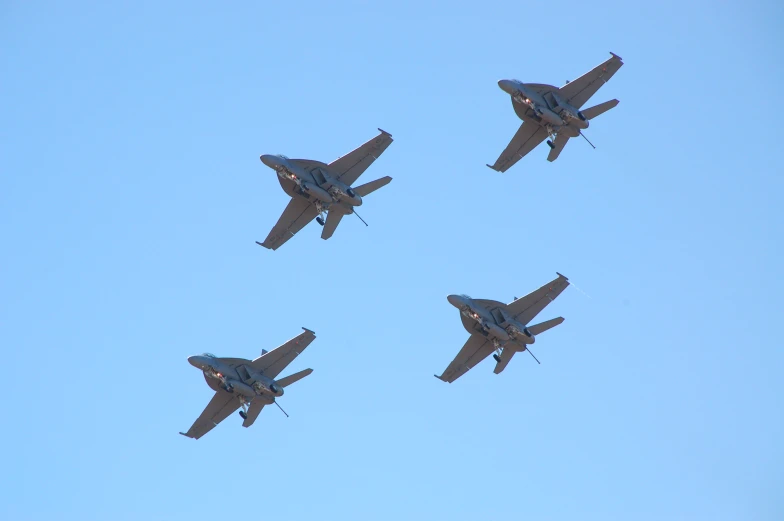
x=290, y=379
x=253, y=412
x=544, y=326
x=558, y=146
x=333, y=219
x=599, y=109
x=372, y=186
x=503, y=360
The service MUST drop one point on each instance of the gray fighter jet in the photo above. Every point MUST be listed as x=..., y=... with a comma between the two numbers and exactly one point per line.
x=244, y=383
x=495, y=326
x=549, y=111
x=317, y=189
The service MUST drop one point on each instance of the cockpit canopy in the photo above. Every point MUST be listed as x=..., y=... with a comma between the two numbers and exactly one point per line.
x=209, y=355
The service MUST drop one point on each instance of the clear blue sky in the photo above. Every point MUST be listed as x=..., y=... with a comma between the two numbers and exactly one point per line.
x=131, y=195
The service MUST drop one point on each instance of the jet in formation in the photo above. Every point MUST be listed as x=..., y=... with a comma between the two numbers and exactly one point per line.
x=246, y=384
x=322, y=191
x=499, y=327
x=549, y=111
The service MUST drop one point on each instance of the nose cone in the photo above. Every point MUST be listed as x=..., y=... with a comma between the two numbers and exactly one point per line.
x=194, y=361
x=508, y=86
x=456, y=300
x=271, y=161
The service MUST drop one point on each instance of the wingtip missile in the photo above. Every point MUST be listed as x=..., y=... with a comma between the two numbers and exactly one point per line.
x=560, y=275
x=309, y=331
x=616, y=55
x=185, y=435
x=384, y=132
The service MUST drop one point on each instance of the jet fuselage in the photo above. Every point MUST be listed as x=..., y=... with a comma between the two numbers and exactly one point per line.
x=495, y=324
x=255, y=385
x=549, y=109
x=315, y=183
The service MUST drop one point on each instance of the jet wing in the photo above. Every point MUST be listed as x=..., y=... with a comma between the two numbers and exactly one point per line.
x=526, y=308
x=349, y=167
x=580, y=90
x=528, y=136
x=476, y=349
x=219, y=408
x=297, y=214
x=275, y=361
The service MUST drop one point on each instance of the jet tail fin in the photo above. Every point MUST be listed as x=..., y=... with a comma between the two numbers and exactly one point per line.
x=544, y=326
x=290, y=379
x=598, y=110
x=372, y=186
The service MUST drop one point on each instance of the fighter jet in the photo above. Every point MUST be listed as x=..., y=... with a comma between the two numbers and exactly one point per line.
x=317, y=189
x=549, y=111
x=247, y=384
x=499, y=327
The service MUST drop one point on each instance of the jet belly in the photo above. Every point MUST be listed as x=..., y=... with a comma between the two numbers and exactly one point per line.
x=533, y=100
x=570, y=130
x=316, y=191
x=242, y=388
x=495, y=331
x=546, y=115
x=294, y=173
x=572, y=118
x=569, y=114
x=304, y=180
x=264, y=385
x=574, y=121
x=345, y=194
x=520, y=334
x=478, y=315
x=486, y=323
